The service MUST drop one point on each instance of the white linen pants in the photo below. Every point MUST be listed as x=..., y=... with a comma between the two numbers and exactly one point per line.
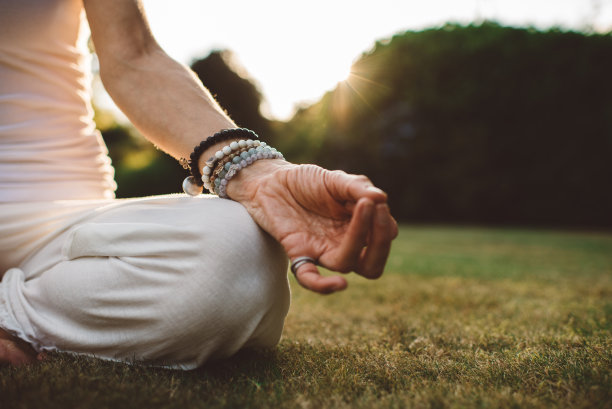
x=170, y=280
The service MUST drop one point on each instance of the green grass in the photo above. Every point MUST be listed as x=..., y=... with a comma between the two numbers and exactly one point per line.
x=463, y=317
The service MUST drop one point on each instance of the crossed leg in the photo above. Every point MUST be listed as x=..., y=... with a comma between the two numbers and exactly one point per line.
x=169, y=281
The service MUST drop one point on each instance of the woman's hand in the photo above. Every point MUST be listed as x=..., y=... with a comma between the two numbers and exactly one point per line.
x=340, y=220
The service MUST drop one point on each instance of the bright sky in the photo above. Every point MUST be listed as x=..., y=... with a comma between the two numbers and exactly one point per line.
x=297, y=50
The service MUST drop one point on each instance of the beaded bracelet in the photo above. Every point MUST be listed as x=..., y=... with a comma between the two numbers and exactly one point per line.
x=211, y=163
x=240, y=162
x=220, y=168
x=192, y=185
x=223, y=164
x=221, y=136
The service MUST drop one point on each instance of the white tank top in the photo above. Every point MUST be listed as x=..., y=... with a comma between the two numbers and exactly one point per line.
x=49, y=146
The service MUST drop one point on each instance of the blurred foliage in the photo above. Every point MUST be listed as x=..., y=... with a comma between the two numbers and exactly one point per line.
x=476, y=124
x=469, y=124
x=232, y=88
x=140, y=169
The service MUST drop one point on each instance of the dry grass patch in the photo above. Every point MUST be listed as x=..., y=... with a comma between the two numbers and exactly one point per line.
x=487, y=318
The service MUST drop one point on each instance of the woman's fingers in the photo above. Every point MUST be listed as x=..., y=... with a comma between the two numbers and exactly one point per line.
x=365, y=239
x=309, y=277
x=347, y=187
x=356, y=236
x=374, y=258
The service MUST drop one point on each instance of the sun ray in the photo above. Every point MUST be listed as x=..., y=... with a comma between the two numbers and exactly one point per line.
x=351, y=87
x=368, y=80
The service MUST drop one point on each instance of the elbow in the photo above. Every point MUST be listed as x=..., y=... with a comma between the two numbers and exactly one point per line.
x=126, y=62
x=118, y=55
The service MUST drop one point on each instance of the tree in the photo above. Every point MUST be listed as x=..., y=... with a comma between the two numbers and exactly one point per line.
x=476, y=124
x=233, y=89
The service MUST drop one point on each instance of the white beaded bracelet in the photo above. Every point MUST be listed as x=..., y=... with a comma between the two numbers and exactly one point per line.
x=192, y=188
x=261, y=152
x=225, y=151
x=258, y=150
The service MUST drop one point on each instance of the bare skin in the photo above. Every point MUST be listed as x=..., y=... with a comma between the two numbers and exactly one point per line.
x=340, y=220
x=14, y=351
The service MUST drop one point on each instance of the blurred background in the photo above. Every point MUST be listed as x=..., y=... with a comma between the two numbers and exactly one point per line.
x=465, y=111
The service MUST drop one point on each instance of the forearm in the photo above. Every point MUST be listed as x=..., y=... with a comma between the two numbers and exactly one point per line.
x=165, y=102
x=162, y=98
x=176, y=121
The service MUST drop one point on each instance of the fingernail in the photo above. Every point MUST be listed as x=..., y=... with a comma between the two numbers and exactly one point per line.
x=374, y=189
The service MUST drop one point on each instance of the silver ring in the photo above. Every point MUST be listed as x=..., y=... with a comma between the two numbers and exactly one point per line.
x=299, y=261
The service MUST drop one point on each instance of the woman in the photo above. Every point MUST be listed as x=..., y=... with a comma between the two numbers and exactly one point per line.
x=172, y=280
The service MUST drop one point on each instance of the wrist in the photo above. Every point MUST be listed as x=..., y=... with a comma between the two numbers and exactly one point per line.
x=223, y=156
x=208, y=153
x=243, y=187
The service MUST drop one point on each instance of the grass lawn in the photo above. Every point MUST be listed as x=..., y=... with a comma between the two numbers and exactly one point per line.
x=463, y=317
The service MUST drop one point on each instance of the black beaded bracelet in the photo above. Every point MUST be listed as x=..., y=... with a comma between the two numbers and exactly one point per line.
x=220, y=136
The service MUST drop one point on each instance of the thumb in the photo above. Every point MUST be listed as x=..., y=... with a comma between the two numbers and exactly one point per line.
x=348, y=187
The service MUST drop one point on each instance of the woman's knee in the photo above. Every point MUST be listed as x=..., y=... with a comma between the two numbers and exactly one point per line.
x=238, y=289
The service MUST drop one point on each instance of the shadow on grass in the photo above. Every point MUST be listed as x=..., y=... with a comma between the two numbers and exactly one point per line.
x=66, y=381
x=251, y=378
x=300, y=374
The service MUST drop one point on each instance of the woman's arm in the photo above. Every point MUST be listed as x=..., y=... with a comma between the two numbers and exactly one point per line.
x=162, y=98
x=340, y=220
